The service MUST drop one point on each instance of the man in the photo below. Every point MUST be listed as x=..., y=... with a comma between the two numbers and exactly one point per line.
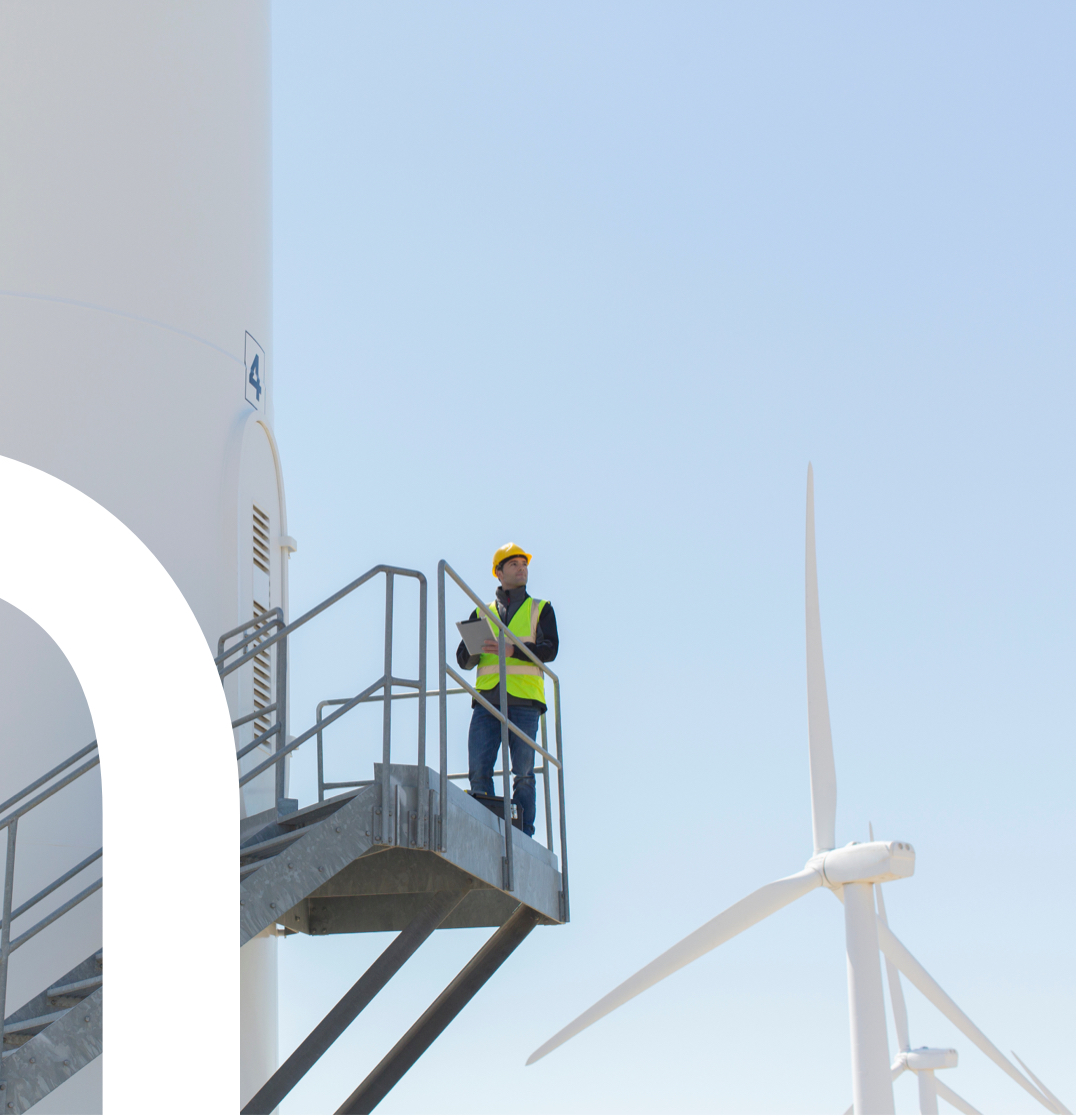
x=535, y=624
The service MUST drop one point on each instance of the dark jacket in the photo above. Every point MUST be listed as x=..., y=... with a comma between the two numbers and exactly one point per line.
x=544, y=648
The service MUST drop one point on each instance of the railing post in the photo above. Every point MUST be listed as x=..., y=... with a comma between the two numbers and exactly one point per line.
x=5, y=931
x=506, y=759
x=321, y=759
x=387, y=833
x=281, y=712
x=423, y=809
x=545, y=788
x=442, y=707
x=560, y=805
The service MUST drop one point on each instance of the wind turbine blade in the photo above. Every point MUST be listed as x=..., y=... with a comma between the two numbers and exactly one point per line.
x=823, y=772
x=899, y=955
x=896, y=993
x=1023, y=1065
x=739, y=917
x=954, y=1099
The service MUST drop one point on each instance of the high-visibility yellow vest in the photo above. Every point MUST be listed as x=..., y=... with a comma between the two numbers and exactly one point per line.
x=525, y=680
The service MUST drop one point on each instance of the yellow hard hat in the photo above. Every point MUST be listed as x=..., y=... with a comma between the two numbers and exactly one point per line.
x=509, y=550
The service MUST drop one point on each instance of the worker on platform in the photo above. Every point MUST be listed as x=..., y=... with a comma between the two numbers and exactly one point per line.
x=535, y=624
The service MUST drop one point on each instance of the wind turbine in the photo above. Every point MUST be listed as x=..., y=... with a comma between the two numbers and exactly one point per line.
x=923, y=1060
x=849, y=872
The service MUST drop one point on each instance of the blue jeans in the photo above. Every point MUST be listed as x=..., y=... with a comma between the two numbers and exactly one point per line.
x=483, y=744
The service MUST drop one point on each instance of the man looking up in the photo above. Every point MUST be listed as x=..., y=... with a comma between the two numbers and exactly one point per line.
x=535, y=625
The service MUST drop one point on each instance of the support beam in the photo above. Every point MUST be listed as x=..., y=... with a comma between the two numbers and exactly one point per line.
x=439, y=906
x=441, y=1012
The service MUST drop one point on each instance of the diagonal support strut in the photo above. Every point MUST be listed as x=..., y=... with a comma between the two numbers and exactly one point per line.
x=441, y=1012
x=436, y=910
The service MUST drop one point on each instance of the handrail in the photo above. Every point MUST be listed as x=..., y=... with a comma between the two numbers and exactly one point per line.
x=516, y=730
x=261, y=625
x=8, y=944
x=44, y=795
x=274, y=617
x=261, y=633
x=504, y=634
x=256, y=632
x=258, y=621
x=309, y=615
x=48, y=775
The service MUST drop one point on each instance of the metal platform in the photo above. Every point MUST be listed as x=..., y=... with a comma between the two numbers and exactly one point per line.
x=384, y=885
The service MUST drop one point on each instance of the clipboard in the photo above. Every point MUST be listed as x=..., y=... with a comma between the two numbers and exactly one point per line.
x=475, y=633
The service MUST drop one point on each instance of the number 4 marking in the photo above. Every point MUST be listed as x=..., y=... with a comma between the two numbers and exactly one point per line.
x=255, y=379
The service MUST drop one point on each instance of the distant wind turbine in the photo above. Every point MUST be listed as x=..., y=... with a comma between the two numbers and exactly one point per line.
x=849, y=872
x=923, y=1060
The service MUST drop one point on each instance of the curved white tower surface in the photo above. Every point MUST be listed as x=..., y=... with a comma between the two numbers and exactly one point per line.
x=136, y=356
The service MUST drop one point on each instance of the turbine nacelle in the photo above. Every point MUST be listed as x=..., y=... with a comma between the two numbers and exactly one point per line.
x=865, y=863
x=928, y=1058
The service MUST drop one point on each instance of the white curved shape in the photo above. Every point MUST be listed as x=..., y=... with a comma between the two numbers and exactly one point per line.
x=157, y=876
x=899, y=955
x=823, y=772
x=735, y=920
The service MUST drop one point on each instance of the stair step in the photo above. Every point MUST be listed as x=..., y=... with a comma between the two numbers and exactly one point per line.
x=319, y=811
x=274, y=843
x=35, y=1024
x=75, y=987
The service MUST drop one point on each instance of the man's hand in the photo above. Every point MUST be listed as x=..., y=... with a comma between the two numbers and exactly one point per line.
x=490, y=647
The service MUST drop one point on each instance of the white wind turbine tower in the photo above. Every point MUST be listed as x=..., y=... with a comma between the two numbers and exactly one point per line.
x=849, y=872
x=923, y=1060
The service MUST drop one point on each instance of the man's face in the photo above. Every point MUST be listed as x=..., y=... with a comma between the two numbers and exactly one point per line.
x=513, y=573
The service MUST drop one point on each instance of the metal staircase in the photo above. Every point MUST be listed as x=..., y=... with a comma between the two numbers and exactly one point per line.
x=404, y=849
x=54, y=1035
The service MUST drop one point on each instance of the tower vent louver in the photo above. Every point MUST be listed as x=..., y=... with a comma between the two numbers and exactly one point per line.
x=263, y=677
x=261, y=539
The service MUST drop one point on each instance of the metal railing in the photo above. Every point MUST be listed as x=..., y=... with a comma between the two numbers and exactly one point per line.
x=253, y=639
x=256, y=632
x=10, y=822
x=519, y=651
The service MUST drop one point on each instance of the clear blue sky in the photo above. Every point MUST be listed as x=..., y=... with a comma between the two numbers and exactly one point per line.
x=657, y=257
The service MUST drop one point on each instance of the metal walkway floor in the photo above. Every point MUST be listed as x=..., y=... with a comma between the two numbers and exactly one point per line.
x=326, y=869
